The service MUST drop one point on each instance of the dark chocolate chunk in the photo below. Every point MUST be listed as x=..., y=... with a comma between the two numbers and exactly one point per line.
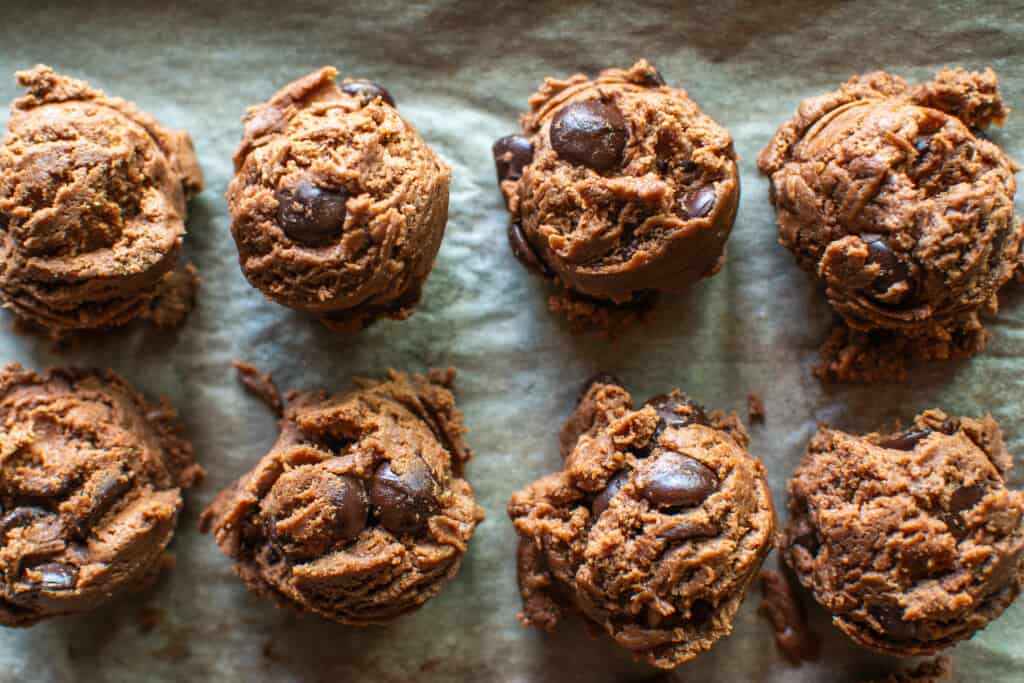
x=402, y=503
x=592, y=134
x=906, y=441
x=603, y=499
x=311, y=215
x=890, y=619
x=18, y=517
x=367, y=91
x=686, y=529
x=104, y=494
x=55, y=576
x=524, y=252
x=674, y=480
x=653, y=78
x=666, y=406
x=962, y=500
x=698, y=204
x=891, y=269
x=512, y=154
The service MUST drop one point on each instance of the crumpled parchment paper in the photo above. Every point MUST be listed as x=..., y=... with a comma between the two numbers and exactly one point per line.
x=461, y=72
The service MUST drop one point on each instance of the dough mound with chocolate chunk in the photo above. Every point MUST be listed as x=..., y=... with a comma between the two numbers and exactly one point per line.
x=359, y=513
x=653, y=529
x=90, y=489
x=92, y=205
x=618, y=188
x=337, y=206
x=912, y=540
x=892, y=196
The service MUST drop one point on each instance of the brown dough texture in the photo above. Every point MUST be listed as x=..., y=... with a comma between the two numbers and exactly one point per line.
x=892, y=196
x=90, y=488
x=654, y=220
x=912, y=539
x=359, y=513
x=92, y=205
x=934, y=671
x=374, y=197
x=653, y=529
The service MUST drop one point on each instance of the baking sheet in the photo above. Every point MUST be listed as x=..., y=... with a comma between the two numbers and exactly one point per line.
x=461, y=72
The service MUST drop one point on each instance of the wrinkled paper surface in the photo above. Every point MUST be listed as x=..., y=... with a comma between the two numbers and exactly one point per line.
x=461, y=73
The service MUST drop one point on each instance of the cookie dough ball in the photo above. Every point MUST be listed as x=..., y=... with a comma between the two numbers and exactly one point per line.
x=912, y=539
x=653, y=529
x=338, y=207
x=359, y=513
x=92, y=205
x=90, y=488
x=889, y=193
x=618, y=187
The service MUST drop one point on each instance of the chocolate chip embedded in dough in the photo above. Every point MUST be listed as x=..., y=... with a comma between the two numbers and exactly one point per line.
x=524, y=252
x=311, y=215
x=698, y=204
x=592, y=134
x=512, y=154
x=674, y=480
x=403, y=502
x=367, y=91
x=603, y=499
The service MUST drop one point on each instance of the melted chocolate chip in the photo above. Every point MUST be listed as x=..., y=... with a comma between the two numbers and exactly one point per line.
x=665, y=406
x=891, y=270
x=603, y=499
x=890, y=618
x=674, y=480
x=403, y=502
x=512, y=154
x=311, y=215
x=653, y=79
x=592, y=134
x=367, y=91
x=56, y=576
x=104, y=495
x=523, y=251
x=698, y=204
x=687, y=529
x=906, y=441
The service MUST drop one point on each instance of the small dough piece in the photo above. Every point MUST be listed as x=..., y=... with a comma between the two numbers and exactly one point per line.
x=93, y=199
x=359, y=513
x=90, y=489
x=891, y=195
x=910, y=539
x=653, y=529
x=933, y=671
x=618, y=188
x=337, y=206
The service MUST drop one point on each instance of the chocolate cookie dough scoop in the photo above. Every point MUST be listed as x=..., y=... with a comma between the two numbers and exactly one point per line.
x=912, y=540
x=90, y=489
x=618, y=188
x=889, y=193
x=338, y=206
x=653, y=529
x=92, y=205
x=359, y=513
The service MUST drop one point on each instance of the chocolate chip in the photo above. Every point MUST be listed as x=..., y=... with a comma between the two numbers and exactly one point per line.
x=512, y=154
x=367, y=91
x=700, y=611
x=55, y=576
x=698, y=204
x=603, y=499
x=890, y=619
x=103, y=497
x=652, y=78
x=311, y=215
x=906, y=441
x=524, y=252
x=665, y=406
x=310, y=510
x=674, y=480
x=687, y=529
x=18, y=517
x=962, y=500
x=403, y=502
x=891, y=270
x=592, y=134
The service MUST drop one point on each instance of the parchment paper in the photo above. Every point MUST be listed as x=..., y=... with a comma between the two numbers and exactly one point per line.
x=461, y=72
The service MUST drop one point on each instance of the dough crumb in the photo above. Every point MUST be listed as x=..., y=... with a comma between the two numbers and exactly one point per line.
x=781, y=608
x=175, y=298
x=260, y=385
x=755, y=407
x=938, y=669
